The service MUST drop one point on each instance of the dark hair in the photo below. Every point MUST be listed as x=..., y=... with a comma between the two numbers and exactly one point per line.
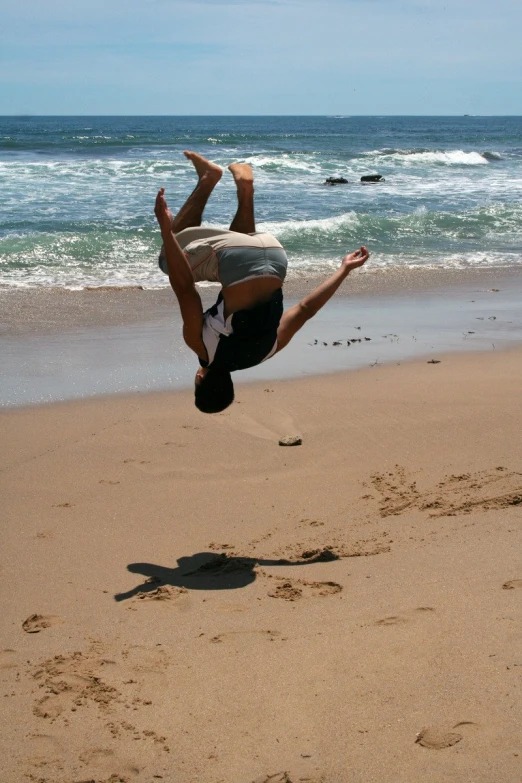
x=215, y=391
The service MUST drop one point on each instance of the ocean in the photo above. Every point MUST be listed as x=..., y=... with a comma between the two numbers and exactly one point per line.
x=77, y=193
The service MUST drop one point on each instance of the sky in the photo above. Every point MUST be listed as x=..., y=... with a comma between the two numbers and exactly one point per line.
x=297, y=57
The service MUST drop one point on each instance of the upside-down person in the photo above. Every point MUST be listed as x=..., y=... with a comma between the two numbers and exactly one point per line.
x=247, y=325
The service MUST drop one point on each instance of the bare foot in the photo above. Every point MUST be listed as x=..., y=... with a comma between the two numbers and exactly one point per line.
x=204, y=168
x=241, y=172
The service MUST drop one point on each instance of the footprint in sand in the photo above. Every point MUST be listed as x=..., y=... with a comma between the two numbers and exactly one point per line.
x=284, y=777
x=70, y=682
x=439, y=737
x=95, y=755
x=331, y=552
x=8, y=659
x=436, y=738
x=105, y=760
x=512, y=584
x=323, y=588
x=68, y=689
x=287, y=591
x=149, y=664
x=291, y=590
x=393, y=620
x=162, y=593
x=456, y=494
x=397, y=619
x=270, y=636
x=37, y=622
x=49, y=707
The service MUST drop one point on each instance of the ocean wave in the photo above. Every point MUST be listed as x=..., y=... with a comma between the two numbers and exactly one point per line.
x=495, y=222
x=127, y=255
x=490, y=155
x=447, y=157
x=282, y=161
x=91, y=167
x=312, y=266
x=148, y=276
x=299, y=234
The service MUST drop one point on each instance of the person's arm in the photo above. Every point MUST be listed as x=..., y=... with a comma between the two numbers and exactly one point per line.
x=181, y=279
x=295, y=317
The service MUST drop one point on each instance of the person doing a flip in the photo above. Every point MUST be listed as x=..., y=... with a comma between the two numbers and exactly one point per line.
x=247, y=324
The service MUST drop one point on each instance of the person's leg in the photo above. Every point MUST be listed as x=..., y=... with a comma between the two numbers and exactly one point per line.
x=191, y=213
x=244, y=221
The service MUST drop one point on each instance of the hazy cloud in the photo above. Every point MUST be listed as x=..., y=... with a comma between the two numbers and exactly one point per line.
x=261, y=56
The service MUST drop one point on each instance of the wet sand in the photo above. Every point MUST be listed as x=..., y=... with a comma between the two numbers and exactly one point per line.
x=186, y=600
x=59, y=345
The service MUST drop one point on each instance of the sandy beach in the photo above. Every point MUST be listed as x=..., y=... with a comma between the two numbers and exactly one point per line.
x=186, y=600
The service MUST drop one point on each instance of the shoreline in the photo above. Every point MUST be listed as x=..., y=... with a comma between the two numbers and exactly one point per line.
x=249, y=386
x=60, y=345
x=46, y=309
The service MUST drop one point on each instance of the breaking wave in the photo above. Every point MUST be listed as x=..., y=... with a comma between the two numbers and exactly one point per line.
x=446, y=157
x=127, y=256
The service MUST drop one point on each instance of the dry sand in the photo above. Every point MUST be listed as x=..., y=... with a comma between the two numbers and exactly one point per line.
x=185, y=600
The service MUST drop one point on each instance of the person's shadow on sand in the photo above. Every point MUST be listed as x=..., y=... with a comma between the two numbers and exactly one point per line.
x=209, y=571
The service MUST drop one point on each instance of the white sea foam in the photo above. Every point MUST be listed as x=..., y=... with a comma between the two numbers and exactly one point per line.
x=285, y=230
x=449, y=157
x=284, y=161
x=310, y=265
x=87, y=220
x=145, y=273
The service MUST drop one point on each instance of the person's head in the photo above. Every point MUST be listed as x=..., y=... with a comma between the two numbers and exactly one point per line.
x=214, y=390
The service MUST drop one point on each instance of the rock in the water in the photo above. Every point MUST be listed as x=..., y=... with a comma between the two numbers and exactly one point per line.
x=336, y=181
x=372, y=178
x=291, y=440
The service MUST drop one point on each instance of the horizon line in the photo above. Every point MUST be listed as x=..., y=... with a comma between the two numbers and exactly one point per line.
x=330, y=115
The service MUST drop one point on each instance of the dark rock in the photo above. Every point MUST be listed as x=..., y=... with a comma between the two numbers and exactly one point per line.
x=373, y=178
x=335, y=181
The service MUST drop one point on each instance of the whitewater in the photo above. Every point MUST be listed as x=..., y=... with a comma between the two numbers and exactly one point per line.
x=77, y=193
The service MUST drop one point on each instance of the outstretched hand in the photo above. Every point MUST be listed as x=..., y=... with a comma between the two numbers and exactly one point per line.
x=162, y=212
x=356, y=259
